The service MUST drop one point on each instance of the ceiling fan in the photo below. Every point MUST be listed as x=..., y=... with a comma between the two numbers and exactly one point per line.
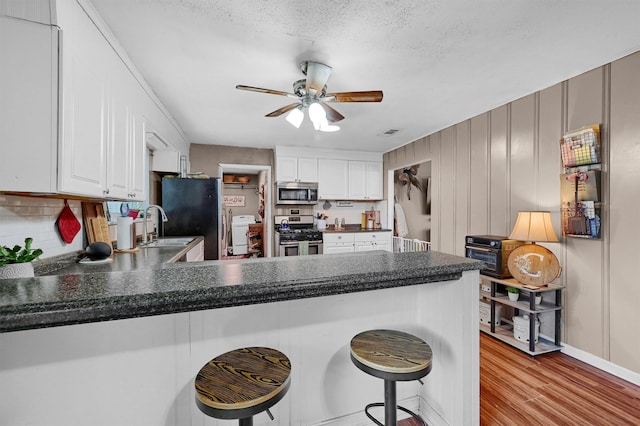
x=311, y=93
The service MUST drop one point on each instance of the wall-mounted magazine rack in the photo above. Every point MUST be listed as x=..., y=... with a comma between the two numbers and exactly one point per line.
x=580, y=183
x=581, y=147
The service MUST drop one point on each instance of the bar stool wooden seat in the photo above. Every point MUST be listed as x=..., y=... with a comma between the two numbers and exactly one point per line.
x=241, y=383
x=393, y=356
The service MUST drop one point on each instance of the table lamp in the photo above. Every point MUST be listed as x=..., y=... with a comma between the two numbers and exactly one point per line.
x=534, y=226
x=530, y=263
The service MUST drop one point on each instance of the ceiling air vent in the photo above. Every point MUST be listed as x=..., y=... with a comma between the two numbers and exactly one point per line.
x=389, y=132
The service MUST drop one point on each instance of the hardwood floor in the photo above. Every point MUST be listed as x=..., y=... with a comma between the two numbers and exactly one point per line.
x=550, y=389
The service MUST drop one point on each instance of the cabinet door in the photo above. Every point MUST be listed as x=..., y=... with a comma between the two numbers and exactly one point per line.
x=373, y=179
x=137, y=188
x=83, y=133
x=286, y=169
x=357, y=180
x=118, y=140
x=384, y=245
x=28, y=105
x=331, y=249
x=333, y=176
x=196, y=254
x=308, y=169
x=365, y=247
x=365, y=180
x=166, y=161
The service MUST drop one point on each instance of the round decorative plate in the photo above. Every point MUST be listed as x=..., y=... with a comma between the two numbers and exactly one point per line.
x=533, y=265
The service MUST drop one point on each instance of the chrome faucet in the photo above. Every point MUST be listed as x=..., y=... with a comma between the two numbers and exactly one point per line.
x=146, y=215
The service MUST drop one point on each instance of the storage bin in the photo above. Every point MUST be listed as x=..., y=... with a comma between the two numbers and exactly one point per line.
x=485, y=313
x=521, y=329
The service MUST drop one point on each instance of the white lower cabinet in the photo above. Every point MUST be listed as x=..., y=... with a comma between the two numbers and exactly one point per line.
x=367, y=241
x=342, y=242
x=196, y=254
x=348, y=242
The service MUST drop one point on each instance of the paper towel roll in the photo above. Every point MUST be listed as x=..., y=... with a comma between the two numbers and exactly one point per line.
x=125, y=229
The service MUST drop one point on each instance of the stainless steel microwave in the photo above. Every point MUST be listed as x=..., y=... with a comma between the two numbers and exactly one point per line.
x=296, y=193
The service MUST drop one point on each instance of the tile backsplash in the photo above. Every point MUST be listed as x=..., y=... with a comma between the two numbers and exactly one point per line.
x=35, y=217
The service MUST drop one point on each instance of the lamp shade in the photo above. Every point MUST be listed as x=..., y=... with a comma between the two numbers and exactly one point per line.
x=534, y=226
x=317, y=113
x=295, y=117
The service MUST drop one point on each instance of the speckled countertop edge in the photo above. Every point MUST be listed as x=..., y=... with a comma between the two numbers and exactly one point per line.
x=170, y=288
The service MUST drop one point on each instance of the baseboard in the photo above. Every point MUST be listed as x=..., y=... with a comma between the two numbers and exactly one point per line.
x=602, y=364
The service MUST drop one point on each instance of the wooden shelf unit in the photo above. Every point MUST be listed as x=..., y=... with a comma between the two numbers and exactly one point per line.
x=525, y=304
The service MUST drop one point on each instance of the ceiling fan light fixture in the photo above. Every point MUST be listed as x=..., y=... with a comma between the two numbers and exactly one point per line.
x=295, y=117
x=317, y=113
x=329, y=128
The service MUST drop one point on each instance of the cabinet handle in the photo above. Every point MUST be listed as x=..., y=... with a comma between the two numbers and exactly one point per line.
x=106, y=191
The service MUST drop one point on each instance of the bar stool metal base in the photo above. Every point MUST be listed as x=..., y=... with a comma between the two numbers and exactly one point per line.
x=392, y=356
x=390, y=407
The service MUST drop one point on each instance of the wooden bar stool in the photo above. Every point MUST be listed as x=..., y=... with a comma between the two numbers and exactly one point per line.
x=241, y=383
x=393, y=356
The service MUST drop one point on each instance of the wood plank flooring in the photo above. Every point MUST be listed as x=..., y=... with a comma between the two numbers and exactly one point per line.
x=548, y=390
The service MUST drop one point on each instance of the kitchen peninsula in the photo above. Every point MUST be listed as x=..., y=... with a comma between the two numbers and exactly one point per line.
x=62, y=361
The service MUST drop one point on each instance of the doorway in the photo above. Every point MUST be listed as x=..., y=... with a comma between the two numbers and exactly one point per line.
x=409, y=192
x=247, y=198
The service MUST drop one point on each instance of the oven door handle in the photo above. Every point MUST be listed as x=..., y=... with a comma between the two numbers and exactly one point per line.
x=481, y=249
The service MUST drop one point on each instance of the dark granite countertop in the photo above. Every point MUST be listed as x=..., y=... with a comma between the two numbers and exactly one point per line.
x=144, y=258
x=73, y=298
x=352, y=228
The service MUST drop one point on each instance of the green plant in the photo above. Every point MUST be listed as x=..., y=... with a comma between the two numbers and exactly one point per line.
x=17, y=254
x=513, y=290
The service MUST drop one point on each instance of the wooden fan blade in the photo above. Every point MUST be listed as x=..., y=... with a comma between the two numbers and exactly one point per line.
x=282, y=110
x=317, y=76
x=368, y=96
x=269, y=91
x=333, y=116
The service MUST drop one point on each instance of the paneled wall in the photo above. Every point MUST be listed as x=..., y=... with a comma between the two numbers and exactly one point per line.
x=489, y=167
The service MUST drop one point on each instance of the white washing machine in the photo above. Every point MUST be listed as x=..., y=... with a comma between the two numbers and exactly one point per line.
x=239, y=229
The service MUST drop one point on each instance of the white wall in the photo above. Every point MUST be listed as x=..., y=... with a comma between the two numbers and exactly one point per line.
x=489, y=167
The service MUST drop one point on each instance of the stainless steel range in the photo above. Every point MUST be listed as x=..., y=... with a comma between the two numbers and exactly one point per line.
x=295, y=235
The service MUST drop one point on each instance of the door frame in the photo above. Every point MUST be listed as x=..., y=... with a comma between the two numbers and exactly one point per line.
x=223, y=168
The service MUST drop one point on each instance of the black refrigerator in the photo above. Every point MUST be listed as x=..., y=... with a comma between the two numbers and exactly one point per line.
x=193, y=207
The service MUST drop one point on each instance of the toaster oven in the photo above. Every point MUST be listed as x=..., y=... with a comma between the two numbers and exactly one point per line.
x=494, y=251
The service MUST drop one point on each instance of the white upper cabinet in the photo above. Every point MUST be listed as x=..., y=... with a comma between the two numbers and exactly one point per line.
x=73, y=113
x=28, y=105
x=294, y=169
x=341, y=175
x=365, y=180
x=333, y=179
x=84, y=107
x=99, y=146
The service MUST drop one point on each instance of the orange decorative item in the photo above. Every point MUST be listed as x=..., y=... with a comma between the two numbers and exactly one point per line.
x=243, y=179
x=228, y=178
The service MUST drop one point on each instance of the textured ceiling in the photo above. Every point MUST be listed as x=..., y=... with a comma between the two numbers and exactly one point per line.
x=437, y=61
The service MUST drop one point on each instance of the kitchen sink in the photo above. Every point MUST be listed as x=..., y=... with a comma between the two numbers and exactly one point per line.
x=168, y=241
